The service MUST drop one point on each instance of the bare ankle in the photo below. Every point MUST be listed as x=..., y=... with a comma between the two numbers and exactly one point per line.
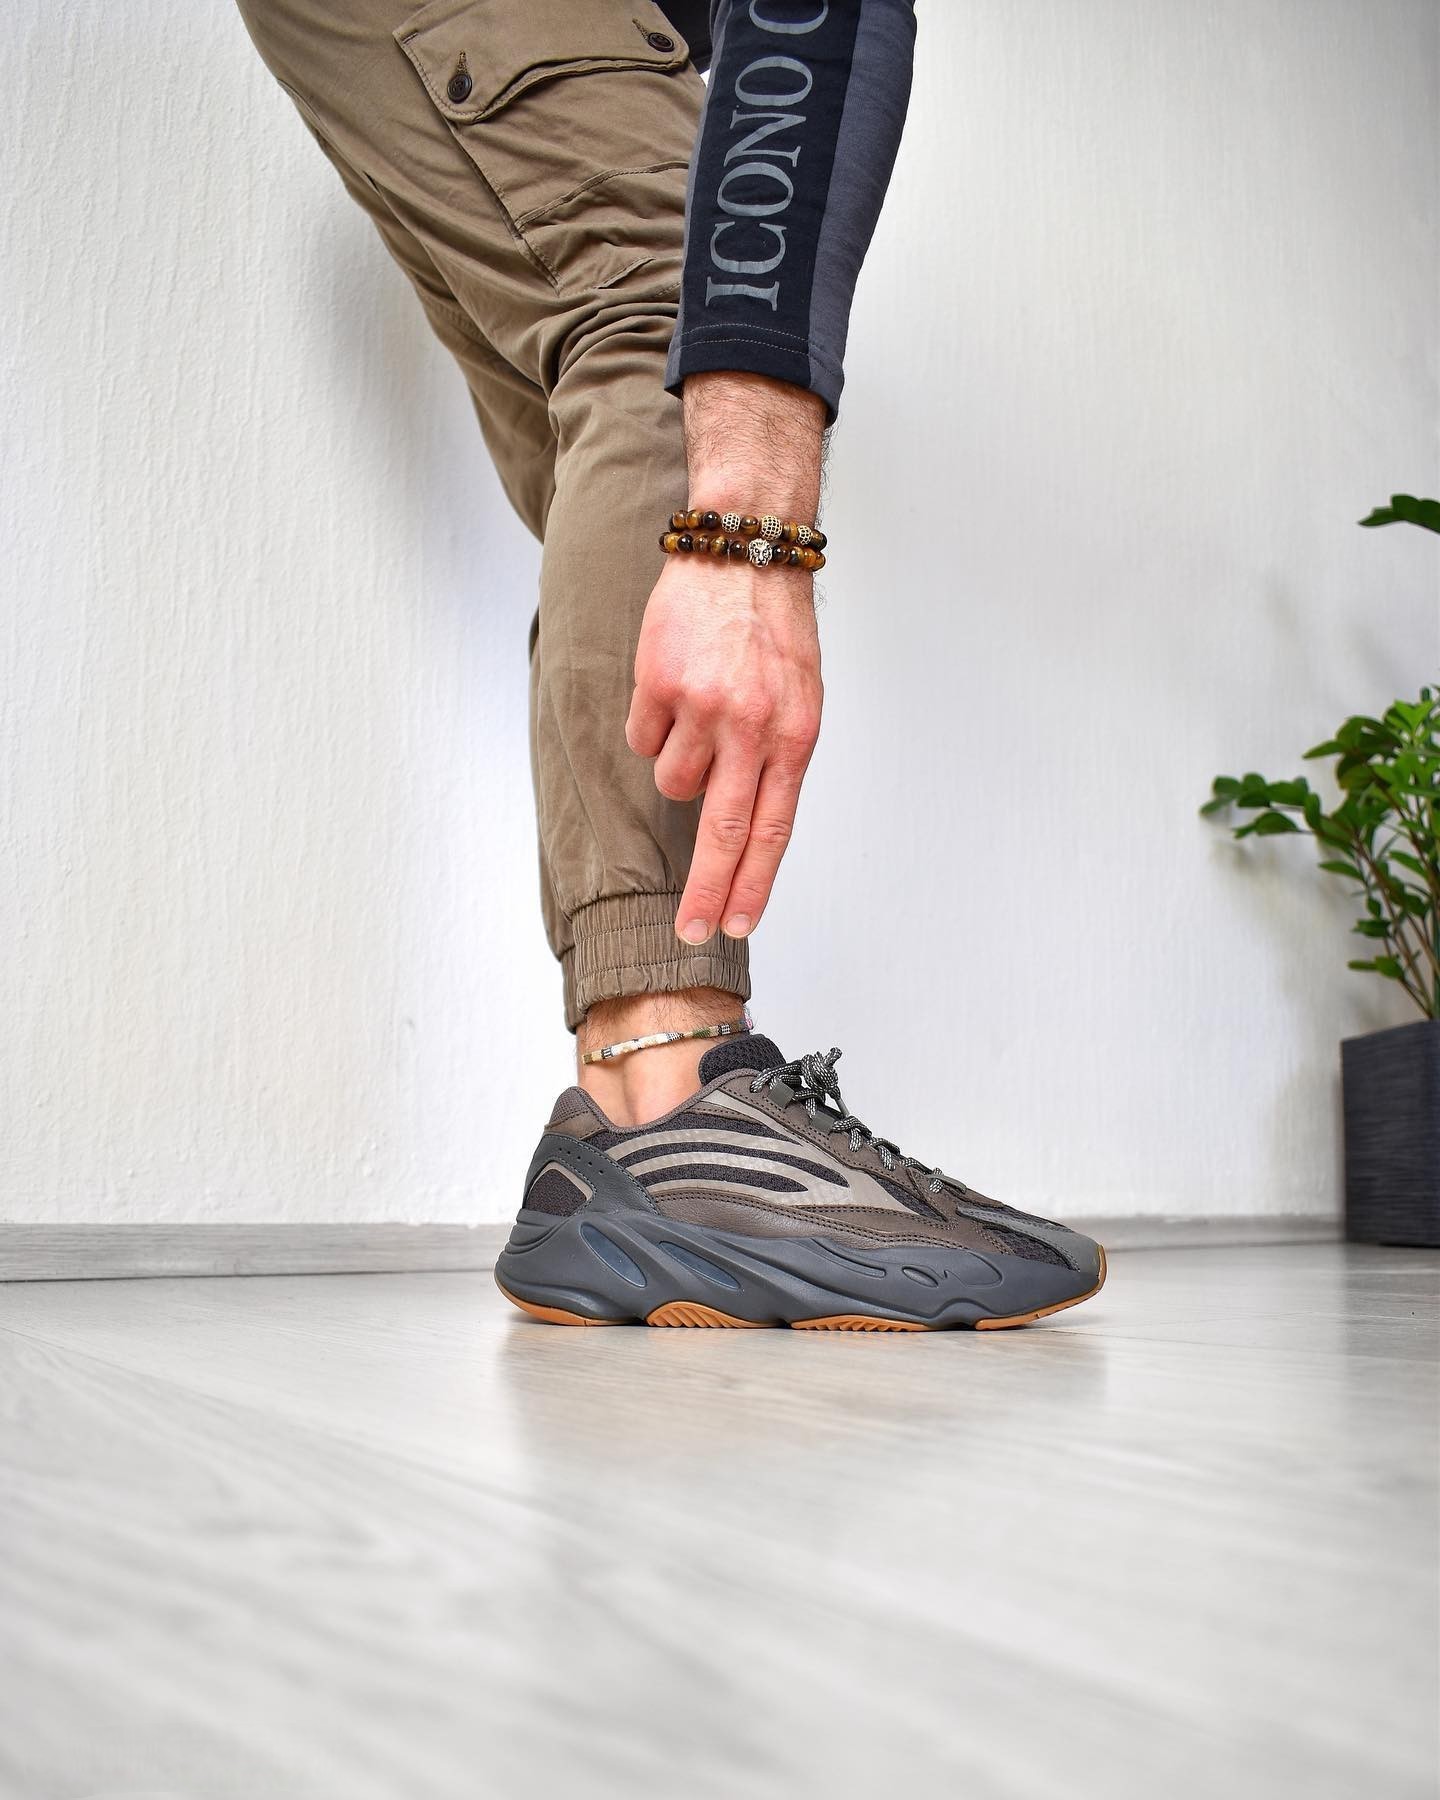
x=641, y=1086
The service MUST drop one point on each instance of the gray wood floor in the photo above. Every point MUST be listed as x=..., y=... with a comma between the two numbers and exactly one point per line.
x=378, y=1538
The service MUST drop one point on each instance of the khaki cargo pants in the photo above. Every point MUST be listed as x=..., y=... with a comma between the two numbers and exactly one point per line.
x=525, y=162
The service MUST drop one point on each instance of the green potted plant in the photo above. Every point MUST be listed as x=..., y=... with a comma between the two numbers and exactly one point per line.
x=1383, y=837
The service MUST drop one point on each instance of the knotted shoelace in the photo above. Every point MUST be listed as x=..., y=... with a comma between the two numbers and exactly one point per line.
x=814, y=1080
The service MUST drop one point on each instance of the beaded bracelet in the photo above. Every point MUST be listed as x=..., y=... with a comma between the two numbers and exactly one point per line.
x=759, y=550
x=774, y=530
x=768, y=539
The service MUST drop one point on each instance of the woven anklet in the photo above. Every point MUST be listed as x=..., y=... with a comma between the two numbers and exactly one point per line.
x=608, y=1052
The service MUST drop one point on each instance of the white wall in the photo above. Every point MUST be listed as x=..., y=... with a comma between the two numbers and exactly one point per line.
x=1150, y=321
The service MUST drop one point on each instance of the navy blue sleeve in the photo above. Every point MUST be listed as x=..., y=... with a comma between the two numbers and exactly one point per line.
x=802, y=122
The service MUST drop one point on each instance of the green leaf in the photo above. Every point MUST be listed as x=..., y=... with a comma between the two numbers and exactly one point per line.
x=1225, y=788
x=1383, y=833
x=1404, y=715
x=1382, y=965
x=1405, y=509
x=1269, y=824
x=1333, y=831
x=1356, y=774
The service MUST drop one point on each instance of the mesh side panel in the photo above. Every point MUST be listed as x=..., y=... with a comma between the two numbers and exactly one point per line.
x=698, y=1119
x=722, y=1176
x=709, y=1118
x=569, y=1106
x=1016, y=1242
x=973, y=1235
x=635, y=1160
x=913, y=1202
x=552, y=1192
x=752, y=1051
x=984, y=1202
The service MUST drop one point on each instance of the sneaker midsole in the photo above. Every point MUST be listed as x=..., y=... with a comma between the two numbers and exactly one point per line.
x=626, y=1265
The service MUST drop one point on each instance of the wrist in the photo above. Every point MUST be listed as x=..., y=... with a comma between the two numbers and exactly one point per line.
x=737, y=487
x=753, y=444
x=732, y=585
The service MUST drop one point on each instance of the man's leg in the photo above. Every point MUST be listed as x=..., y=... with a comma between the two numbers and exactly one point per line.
x=615, y=849
x=545, y=243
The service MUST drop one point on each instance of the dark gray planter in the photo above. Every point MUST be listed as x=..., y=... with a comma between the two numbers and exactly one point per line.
x=1392, y=1135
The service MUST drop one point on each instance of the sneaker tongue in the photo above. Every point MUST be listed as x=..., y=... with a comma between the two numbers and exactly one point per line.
x=752, y=1051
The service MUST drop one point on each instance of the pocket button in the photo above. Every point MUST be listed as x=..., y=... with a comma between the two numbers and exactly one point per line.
x=657, y=40
x=459, y=88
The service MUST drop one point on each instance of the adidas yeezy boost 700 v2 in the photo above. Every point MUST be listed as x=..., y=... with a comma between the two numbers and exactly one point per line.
x=761, y=1200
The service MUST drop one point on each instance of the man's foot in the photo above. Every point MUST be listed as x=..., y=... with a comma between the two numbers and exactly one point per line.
x=760, y=1200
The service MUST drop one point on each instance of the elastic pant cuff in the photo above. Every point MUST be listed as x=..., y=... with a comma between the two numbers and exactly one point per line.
x=626, y=944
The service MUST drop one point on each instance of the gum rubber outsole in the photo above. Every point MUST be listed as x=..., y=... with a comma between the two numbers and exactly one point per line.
x=692, y=1313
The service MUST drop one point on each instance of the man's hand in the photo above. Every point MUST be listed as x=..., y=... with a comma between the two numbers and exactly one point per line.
x=727, y=673
x=727, y=699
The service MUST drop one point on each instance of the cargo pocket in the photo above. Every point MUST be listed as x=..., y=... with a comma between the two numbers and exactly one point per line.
x=580, y=115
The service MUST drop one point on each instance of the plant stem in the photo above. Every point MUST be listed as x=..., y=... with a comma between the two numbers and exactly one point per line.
x=1395, y=935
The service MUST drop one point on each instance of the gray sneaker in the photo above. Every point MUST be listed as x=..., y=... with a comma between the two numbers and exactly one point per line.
x=761, y=1200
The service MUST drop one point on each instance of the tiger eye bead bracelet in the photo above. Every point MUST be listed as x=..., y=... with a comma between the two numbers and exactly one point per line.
x=764, y=540
x=774, y=530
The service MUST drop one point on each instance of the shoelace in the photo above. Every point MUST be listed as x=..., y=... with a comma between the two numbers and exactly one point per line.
x=814, y=1080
